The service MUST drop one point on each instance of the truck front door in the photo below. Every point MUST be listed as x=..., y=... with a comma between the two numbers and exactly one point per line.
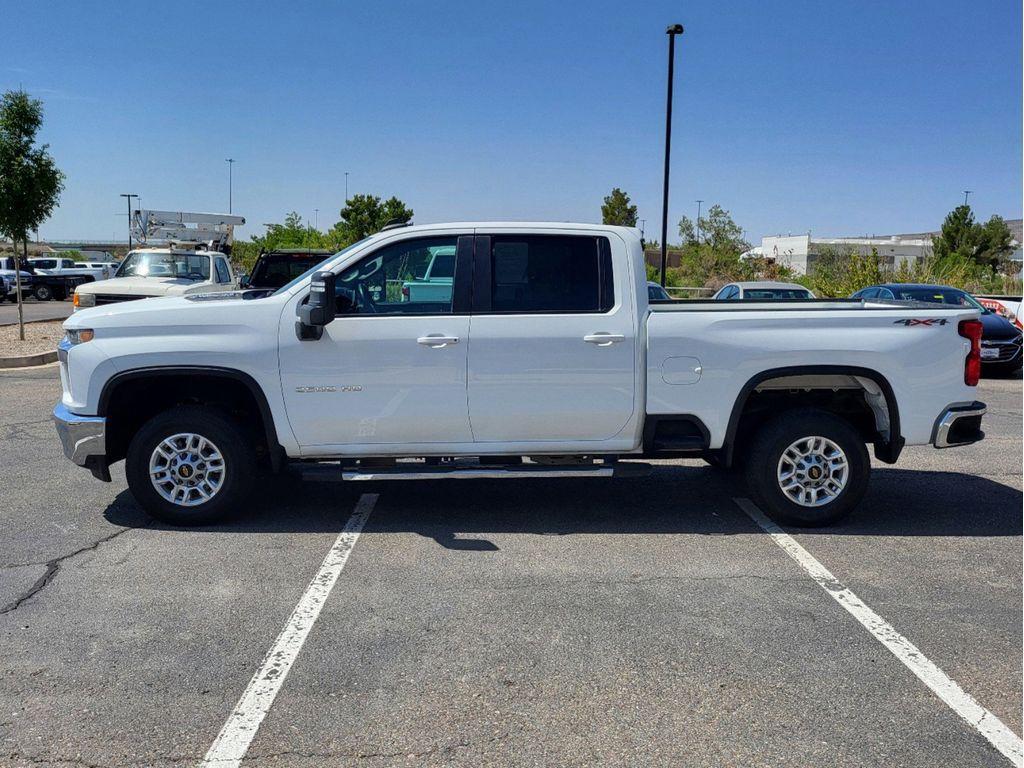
x=389, y=369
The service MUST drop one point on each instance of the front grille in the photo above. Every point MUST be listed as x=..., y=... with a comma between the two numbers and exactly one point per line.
x=114, y=298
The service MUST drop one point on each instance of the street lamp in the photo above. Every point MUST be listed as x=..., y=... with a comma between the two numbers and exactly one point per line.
x=698, y=202
x=123, y=194
x=231, y=165
x=672, y=31
x=346, y=187
x=966, y=193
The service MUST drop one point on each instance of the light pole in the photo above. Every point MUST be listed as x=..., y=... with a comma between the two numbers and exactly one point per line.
x=966, y=193
x=123, y=194
x=672, y=31
x=231, y=166
x=346, y=187
x=316, y=218
x=698, y=202
x=643, y=222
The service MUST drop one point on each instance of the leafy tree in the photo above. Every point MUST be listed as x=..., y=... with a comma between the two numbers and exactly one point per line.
x=30, y=182
x=686, y=230
x=617, y=210
x=364, y=215
x=721, y=232
x=988, y=244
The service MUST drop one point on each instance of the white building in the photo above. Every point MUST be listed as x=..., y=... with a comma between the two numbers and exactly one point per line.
x=801, y=251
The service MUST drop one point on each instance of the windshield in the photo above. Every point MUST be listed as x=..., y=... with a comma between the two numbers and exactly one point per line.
x=775, y=293
x=190, y=266
x=937, y=296
x=316, y=267
x=274, y=270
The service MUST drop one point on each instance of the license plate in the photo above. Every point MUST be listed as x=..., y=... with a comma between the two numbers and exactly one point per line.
x=989, y=353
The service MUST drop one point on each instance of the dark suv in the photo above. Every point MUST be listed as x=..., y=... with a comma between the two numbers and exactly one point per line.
x=276, y=268
x=1000, y=339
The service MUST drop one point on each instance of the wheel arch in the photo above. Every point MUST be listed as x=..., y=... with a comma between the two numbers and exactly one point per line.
x=886, y=449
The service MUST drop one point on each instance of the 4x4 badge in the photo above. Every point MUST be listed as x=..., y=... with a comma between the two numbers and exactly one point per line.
x=931, y=321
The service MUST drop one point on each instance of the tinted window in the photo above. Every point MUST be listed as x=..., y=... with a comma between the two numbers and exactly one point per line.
x=223, y=276
x=44, y=263
x=936, y=296
x=386, y=283
x=550, y=273
x=69, y=263
x=444, y=263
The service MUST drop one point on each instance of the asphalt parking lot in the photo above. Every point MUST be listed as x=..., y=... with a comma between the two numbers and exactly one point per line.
x=35, y=310
x=641, y=622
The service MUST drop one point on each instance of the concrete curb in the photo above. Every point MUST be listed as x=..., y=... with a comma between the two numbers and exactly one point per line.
x=27, y=361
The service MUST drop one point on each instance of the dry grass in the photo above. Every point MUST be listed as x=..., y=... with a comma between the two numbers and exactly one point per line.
x=39, y=337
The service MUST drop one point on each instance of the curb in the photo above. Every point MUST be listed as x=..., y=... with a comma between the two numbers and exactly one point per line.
x=26, y=361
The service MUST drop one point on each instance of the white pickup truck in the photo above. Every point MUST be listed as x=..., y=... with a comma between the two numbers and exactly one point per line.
x=149, y=272
x=546, y=347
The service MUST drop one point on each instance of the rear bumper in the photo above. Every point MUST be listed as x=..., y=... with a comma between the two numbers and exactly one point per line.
x=84, y=437
x=959, y=425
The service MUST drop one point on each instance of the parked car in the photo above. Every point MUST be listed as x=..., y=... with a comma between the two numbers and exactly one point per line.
x=149, y=272
x=1000, y=339
x=656, y=293
x=438, y=276
x=44, y=286
x=65, y=267
x=762, y=291
x=545, y=347
x=276, y=268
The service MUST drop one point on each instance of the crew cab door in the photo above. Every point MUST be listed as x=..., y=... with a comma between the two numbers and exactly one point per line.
x=389, y=369
x=553, y=340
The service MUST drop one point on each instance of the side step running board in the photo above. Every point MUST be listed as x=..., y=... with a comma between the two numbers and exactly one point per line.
x=333, y=472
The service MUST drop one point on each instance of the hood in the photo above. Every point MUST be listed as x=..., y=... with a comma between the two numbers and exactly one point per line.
x=997, y=328
x=145, y=286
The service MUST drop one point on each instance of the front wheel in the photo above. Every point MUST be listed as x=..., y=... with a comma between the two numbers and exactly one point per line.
x=190, y=465
x=808, y=468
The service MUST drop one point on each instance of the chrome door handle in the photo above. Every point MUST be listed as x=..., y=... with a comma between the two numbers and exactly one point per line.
x=604, y=339
x=437, y=340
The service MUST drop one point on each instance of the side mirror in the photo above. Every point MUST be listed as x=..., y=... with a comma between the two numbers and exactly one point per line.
x=318, y=311
x=243, y=281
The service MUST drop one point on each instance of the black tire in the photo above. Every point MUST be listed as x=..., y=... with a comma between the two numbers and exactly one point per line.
x=230, y=439
x=42, y=292
x=775, y=437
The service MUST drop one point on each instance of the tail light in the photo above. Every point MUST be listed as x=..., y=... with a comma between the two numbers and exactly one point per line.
x=971, y=330
x=405, y=291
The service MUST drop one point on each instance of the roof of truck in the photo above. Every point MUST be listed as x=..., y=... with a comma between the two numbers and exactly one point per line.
x=635, y=231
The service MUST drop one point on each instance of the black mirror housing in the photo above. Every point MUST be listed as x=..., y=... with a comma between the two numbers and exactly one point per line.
x=319, y=309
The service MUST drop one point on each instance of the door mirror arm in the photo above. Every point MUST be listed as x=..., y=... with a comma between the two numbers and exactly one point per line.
x=319, y=308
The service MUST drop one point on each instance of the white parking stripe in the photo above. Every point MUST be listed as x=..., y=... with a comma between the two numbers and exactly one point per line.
x=238, y=732
x=979, y=718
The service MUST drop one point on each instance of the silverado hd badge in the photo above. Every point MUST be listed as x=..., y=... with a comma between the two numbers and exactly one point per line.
x=329, y=388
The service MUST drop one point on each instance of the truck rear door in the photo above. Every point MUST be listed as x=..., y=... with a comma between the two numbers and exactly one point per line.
x=552, y=339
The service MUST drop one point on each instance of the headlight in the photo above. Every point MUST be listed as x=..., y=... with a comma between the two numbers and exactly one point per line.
x=84, y=299
x=80, y=335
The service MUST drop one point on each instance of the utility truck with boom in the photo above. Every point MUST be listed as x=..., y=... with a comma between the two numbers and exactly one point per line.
x=543, y=357
x=181, y=254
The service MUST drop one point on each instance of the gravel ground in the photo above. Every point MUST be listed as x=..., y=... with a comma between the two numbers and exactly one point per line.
x=39, y=337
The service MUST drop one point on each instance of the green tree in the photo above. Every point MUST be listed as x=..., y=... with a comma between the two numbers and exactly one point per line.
x=686, y=230
x=721, y=232
x=30, y=182
x=617, y=210
x=987, y=244
x=364, y=215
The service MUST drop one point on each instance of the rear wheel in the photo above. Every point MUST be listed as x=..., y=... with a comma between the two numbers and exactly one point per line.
x=808, y=468
x=43, y=292
x=190, y=465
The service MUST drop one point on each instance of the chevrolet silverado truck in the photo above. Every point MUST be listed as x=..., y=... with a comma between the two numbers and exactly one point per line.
x=545, y=358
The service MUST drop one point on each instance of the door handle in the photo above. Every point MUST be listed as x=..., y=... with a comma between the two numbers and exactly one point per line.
x=437, y=340
x=604, y=339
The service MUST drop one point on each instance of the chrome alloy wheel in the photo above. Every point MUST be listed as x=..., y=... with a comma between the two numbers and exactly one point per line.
x=813, y=471
x=186, y=469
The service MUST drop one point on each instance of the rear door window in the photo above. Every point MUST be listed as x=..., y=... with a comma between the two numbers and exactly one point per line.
x=549, y=274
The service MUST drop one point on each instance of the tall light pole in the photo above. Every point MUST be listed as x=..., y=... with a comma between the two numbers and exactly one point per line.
x=966, y=193
x=316, y=218
x=123, y=194
x=346, y=187
x=672, y=31
x=643, y=223
x=231, y=165
x=698, y=202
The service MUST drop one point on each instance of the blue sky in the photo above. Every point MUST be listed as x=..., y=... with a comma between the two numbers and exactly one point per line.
x=842, y=118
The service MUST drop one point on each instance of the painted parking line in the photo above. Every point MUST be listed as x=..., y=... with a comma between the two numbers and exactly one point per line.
x=233, y=741
x=984, y=722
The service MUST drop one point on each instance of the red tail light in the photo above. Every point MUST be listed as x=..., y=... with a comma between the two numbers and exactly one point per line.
x=971, y=330
x=405, y=291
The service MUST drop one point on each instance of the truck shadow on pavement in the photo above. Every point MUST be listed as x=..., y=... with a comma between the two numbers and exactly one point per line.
x=672, y=500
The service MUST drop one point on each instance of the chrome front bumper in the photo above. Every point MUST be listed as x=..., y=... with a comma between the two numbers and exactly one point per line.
x=82, y=436
x=959, y=425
